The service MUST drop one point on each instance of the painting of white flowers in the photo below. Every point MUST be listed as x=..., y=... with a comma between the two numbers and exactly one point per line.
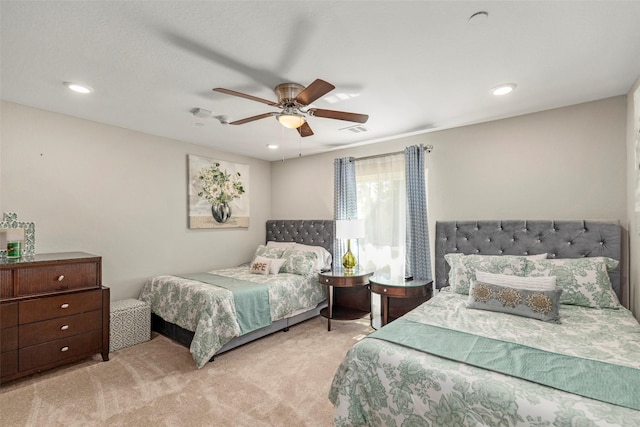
x=218, y=193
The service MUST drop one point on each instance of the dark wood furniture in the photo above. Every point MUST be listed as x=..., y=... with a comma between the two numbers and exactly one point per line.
x=399, y=296
x=348, y=296
x=53, y=311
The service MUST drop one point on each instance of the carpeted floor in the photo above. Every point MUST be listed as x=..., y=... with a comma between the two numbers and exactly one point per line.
x=279, y=380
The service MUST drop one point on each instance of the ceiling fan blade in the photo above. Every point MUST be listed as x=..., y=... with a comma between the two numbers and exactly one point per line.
x=314, y=91
x=244, y=95
x=305, y=130
x=252, y=118
x=339, y=115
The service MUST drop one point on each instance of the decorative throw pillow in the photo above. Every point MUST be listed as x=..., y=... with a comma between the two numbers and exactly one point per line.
x=584, y=281
x=269, y=252
x=274, y=263
x=298, y=264
x=541, y=305
x=293, y=263
x=464, y=267
x=260, y=266
x=323, y=256
x=543, y=283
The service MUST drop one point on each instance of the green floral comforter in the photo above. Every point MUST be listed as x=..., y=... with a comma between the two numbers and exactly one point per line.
x=209, y=311
x=384, y=384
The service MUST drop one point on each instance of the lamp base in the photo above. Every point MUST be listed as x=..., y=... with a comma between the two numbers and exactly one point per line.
x=349, y=261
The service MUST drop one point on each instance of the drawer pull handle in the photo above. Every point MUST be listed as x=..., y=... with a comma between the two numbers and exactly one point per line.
x=326, y=280
x=65, y=305
x=384, y=290
x=64, y=327
x=65, y=348
x=61, y=278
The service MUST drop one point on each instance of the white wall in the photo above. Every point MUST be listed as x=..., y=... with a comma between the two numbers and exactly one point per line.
x=119, y=194
x=567, y=163
x=633, y=117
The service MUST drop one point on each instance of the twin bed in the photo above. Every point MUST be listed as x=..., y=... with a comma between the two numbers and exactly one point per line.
x=486, y=351
x=216, y=311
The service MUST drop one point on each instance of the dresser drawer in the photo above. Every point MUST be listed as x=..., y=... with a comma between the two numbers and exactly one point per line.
x=8, y=363
x=61, y=327
x=59, y=306
x=8, y=315
x=52, y=352
x=9, y=339
x=6, y=283
x=57, y=278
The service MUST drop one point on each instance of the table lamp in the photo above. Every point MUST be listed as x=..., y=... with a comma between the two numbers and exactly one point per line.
x=349, y=229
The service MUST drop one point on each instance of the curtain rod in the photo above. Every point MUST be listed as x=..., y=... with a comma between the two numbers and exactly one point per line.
x=427, y=148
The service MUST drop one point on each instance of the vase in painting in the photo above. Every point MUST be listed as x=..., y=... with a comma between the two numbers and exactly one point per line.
x=221, y=212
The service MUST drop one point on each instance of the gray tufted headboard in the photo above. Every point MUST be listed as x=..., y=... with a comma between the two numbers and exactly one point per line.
x=318, y=232
x=560, y=239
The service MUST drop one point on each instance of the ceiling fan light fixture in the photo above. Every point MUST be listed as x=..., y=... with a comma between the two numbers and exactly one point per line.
x=291, y=121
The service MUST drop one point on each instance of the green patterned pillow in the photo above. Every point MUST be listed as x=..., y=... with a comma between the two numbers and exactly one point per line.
x=536, y=304
x=269, y=252
x=584, y=281
x=464, y=267
x=298, y=264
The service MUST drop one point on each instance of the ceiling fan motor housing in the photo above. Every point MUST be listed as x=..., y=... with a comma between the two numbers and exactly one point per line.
x=287, y=92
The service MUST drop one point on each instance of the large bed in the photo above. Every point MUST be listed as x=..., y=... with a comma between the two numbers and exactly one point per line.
x=477, y=355
x=215, y=311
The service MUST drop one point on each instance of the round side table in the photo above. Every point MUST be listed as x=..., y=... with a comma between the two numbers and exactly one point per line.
x=412, y=292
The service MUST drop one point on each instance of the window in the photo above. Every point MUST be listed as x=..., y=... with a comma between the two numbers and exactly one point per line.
x=381, y=198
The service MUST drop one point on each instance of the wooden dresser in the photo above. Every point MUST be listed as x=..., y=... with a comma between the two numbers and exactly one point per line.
x=53, y=311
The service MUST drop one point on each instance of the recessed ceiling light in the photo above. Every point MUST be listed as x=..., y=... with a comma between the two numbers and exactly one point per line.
x=503, y=89
x=272, y=146
x=78, y=87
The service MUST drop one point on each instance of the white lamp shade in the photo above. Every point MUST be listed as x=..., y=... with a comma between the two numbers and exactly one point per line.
x=291, y=121
x=349, y=228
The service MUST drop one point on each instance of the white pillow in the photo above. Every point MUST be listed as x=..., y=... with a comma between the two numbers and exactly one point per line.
x=323, y=256
x=544, y=283
x=260, y=266
x=283, y=245
x=274, y=264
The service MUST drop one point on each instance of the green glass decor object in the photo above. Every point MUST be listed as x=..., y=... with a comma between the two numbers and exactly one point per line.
x=349, y=260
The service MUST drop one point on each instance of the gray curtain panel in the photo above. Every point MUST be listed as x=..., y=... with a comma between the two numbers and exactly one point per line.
x=418, y=263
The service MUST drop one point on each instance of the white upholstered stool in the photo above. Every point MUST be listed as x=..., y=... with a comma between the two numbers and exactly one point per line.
x=130, y=323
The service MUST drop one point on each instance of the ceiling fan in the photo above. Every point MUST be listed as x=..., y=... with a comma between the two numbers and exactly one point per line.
x=292, y=99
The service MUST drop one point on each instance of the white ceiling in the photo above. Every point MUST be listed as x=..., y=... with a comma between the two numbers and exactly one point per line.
x=416, y=66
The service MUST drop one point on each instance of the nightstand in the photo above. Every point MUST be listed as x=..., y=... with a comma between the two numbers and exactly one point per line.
x=399, y=296
x=348, y=296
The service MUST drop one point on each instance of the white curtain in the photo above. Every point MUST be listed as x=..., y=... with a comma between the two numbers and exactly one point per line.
x=382, y=205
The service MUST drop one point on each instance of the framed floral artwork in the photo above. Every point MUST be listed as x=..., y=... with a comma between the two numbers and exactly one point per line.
x=218, y=193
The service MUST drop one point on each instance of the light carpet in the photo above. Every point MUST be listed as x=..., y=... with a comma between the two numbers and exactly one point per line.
x=280, y=380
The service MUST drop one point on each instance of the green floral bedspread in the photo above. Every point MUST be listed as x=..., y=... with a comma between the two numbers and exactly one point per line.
x=384, y=384
x=209, y=311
